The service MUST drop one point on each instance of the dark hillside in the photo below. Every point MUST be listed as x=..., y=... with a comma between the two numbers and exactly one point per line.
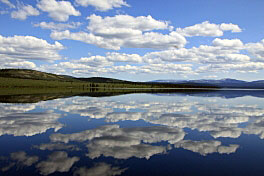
x=102, y=80
x=32, y=74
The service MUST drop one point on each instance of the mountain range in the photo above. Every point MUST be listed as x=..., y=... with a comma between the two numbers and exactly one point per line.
x=222, y=83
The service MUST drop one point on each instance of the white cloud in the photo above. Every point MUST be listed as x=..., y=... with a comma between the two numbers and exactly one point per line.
x=86, y=38
x=23, y=159
x=29, y=124
x=147, y=40
x=24, y=11
x=125, y=31
x=102, y=5
x=222, y=51
x=123, y=143
x=174, y=55
x=218, y=119
x=156, y=41
x=256, y=50
x=124, y=152
x=28, y=48
x=145, y=69
x=225, y=55
x=98, y=24
x=8, y=109
x=95, y=61
x=100, y=169
x=19, y=64
x=122, y=57
x=253, y=67
x=56, y=147
x=58, y=10
x=208, y=29
x=20, y=159
x=56, y=162
x=256, y=127
x=7, y=2
x=206, y=147
x=58, y=26
x=233, y=43
x=230, y=27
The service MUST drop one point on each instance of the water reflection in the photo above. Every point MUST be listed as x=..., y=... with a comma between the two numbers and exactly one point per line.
x=29, y=124
x=99, y=169
x=110, y=135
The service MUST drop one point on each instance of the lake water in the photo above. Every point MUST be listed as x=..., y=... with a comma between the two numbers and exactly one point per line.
x=217, y=133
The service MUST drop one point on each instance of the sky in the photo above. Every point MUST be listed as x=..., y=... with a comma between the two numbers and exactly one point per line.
x=137, y=40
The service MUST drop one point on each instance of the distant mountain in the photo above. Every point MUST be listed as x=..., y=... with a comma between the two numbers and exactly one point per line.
x=227, y=94
x=222, y=83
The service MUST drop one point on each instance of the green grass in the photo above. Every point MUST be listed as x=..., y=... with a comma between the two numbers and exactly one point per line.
x=23, y=78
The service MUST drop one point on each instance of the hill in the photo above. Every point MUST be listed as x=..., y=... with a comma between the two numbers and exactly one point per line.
x=24, y=78
x=102, y=80
x=33, y=74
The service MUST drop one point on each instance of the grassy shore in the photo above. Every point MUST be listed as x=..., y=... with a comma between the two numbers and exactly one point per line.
x=24, y=86
x=57, y=84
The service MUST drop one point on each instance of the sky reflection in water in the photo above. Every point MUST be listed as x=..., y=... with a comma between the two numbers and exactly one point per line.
x=137, y=134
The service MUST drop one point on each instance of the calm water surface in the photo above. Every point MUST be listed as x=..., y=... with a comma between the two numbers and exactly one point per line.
x=138, y=134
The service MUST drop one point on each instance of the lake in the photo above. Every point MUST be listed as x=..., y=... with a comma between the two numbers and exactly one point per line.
x=207, y=133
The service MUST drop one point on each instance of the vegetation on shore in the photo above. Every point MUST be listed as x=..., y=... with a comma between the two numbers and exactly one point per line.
x=23, y=78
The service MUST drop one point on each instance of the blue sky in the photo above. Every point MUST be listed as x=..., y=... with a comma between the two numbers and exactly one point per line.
x=135, y=40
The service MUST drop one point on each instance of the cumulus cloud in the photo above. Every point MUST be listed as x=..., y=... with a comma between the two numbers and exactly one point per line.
x=7, y=109
x=58, y=26
x=27, y=48
x=123, y=57
x=23, y=159
x=99, y=169
x=179, y=69
x=125, y=31
x=241, y=67
x=100, y=25
x=224, y=55
x=230, y=27
x=19, y=64
x=86, y=110
x=222, y=51
x=206, y=147
x=7, y=2
x=105, y=64
x=256, y=50
x=256, y=127
x=56, y=146
x=95, y=61
x=233, y=43
x=102, y=5
x=86, y=38
x=123, y=143
x=58, y=10
x=29, y=124
x=125, y=152
x=208, y=29
x=56, y=162
x=24, y=11
x=219, y=120
x=147, y=40
x=137, y=32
